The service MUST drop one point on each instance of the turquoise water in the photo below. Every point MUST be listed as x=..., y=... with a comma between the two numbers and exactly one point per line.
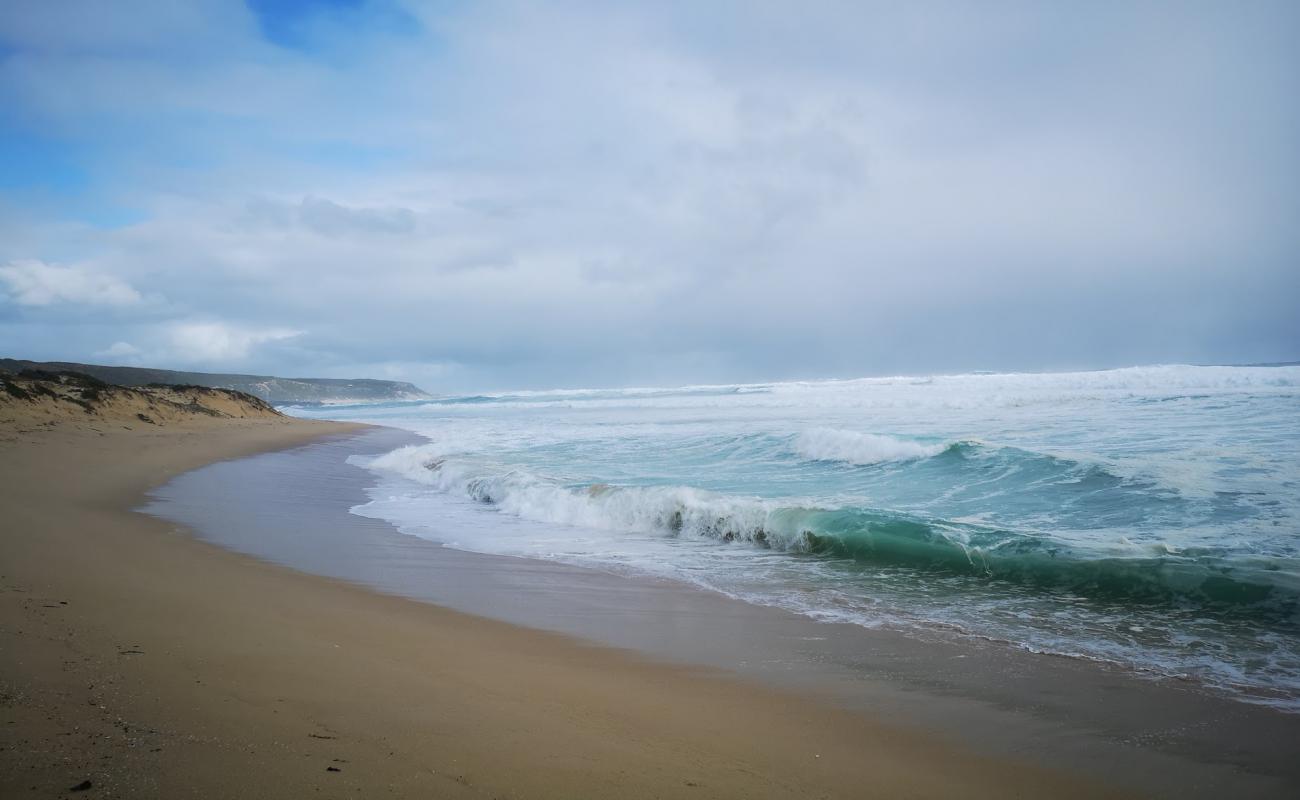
x=1148, y=517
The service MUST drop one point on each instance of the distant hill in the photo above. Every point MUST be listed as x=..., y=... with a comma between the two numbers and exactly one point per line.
x=266, y=387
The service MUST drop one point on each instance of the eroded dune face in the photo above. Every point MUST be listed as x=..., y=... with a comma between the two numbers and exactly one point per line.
x=32, y=398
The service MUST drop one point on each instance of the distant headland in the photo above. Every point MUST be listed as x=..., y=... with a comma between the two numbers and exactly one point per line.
x=269, y=388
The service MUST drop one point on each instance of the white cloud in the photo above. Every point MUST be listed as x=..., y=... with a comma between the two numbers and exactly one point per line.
x=30, y=282
x=212, y=342
x=121, y=352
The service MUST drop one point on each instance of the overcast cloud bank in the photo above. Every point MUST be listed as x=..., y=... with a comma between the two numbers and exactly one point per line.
x=496, y=195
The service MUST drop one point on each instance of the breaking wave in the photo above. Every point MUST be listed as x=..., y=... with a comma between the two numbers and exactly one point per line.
x=1209, y=578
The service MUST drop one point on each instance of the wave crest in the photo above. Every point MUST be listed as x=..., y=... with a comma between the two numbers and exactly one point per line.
x=831, y=444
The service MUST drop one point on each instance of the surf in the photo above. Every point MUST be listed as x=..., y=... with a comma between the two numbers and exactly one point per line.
x=1146, y=516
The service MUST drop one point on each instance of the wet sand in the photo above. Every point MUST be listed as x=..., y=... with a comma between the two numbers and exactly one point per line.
x=137, y=660
x=1165, y=738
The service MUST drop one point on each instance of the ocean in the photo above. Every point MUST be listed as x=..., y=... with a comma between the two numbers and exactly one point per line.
x=1146, y=517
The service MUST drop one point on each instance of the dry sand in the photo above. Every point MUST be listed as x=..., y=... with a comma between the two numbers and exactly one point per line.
x=151, y=664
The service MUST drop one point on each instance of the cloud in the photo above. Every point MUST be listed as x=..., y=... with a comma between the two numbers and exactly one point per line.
x=121, y=353
x=333, y=219
x=219, y=342
x=31, y=282
x=598, y=193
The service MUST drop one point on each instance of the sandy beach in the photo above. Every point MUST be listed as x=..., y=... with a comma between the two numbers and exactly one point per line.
x=148, y=663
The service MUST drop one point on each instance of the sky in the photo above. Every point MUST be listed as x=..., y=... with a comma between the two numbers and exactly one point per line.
x=494, y=195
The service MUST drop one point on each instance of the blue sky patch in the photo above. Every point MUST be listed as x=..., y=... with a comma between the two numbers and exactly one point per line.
x=299, y=24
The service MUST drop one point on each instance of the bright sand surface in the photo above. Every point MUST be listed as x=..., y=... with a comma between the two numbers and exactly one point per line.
x=152, y=664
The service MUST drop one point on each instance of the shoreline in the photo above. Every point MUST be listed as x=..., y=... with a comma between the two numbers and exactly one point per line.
x=1162, y=737
x=153, y=664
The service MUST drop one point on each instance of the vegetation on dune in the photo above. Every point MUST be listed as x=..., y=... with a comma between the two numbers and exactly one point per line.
x=63, y=390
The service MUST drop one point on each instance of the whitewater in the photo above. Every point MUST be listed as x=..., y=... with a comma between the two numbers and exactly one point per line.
x=1147, y=517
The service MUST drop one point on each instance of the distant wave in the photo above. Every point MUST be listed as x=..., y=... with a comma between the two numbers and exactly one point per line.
x=1205, y=578
x=465, y=400
x=545, y=397
x=1035, y=477
x=830, y=444
x=1146, y=384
